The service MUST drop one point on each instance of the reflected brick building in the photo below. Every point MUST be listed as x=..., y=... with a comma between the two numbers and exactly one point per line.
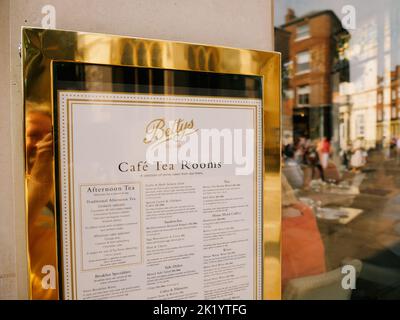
x=379, y=109
x=394, y=102
x=312, y=73
x=387, y=115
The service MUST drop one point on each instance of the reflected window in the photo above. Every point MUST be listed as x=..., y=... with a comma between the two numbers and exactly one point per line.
x=380, y=115
x=201, y=58
x=360, y=125
x=303, y=32
x=380, y=98
x=303, y=60
x=141, y=54
x=191, y=58
x=394, y=112
x=211, y=61
x=303, y=95
x=156, y=55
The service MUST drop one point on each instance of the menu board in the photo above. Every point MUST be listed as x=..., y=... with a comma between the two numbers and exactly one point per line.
x=160, y=196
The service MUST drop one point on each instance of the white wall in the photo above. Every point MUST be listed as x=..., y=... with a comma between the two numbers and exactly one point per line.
x=236, y=23
x=8, y=283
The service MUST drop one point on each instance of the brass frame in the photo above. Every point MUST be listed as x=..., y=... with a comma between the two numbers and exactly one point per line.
x=41, y=47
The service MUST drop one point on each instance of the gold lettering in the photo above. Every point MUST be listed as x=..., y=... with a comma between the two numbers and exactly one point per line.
x=155, y=129
x=158, y=131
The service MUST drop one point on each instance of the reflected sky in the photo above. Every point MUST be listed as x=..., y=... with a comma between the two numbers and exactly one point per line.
x=375, y=42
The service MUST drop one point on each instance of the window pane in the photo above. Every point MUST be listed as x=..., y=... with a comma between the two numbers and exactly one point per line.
x=304, y=90
x=303, y=31
x=303, y=57
x=303, y=61
x=394, y=113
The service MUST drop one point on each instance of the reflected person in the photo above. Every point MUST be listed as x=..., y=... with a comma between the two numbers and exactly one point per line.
x=41, y=224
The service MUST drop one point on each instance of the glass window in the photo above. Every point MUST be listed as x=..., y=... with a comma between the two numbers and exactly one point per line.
x=380, y=115
x=303, y=95
x=341, y=169
x=303, y=60
x=394, y=112
x=303, y=32
x=380, y=98
x=360, y=123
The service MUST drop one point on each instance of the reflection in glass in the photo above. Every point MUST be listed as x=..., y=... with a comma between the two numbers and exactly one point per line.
x=41, y=223
x=341, y=147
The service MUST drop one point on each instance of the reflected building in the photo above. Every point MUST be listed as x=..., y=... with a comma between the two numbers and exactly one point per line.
x=379, y=109
x=369, y=102
x=314, y=68
x=359, y=97
x=394, y=102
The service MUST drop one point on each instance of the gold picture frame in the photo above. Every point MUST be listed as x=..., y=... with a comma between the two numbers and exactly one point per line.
x=41, y=48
